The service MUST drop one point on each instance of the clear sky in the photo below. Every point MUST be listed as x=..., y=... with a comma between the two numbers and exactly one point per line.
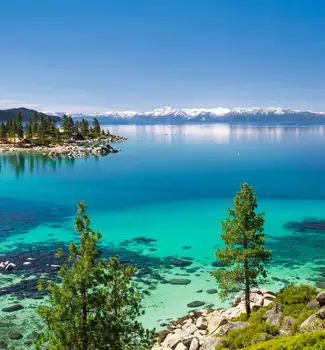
x=69, y=55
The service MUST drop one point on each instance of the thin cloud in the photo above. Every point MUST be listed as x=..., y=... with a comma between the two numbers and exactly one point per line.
x=7, y=103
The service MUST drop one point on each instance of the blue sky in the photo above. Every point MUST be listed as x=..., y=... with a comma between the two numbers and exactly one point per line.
x=98, y=55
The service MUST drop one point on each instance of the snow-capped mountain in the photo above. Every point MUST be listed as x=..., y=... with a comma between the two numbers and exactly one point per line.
x=169, y=115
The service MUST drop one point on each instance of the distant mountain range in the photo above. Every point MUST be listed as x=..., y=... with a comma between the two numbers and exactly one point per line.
x=168, y=115
x=9, y=114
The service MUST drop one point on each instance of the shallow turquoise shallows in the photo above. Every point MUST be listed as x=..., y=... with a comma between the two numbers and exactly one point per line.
x=173, y=184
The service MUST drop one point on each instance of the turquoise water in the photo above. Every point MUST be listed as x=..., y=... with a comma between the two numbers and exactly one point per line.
x=172, y=184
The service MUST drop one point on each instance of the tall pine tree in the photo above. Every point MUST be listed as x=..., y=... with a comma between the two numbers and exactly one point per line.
x=97, y=305
x=2, y=131
x=243, y=255
x=96, y=127
x=20, y=130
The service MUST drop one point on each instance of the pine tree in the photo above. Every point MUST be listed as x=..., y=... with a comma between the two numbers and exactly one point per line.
x=96, y=127
x=14, y=130
x=57, y=135
x=70, y=127
x=84, y=128
x=20, y=130
x=96, y=305
x=41, y=130
x=244, y=255
x=29, y=130
x=2, y=131
x=35, y=123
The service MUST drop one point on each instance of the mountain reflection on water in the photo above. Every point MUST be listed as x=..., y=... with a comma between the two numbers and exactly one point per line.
x=217, y=133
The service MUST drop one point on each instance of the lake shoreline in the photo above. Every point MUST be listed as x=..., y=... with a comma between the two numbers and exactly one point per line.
x=73, y=149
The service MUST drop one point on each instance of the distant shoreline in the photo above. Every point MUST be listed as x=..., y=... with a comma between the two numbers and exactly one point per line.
x=76, y=149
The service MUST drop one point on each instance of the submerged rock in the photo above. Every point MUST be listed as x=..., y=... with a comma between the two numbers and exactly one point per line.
x=181, y=263
x=15, y=335
x=218, y=263
x=179, y=281
x=196, y=303
x=12, y=308
x=212, y=291
x=3, y=344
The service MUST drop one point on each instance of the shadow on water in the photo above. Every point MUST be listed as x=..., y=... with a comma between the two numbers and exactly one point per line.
x=304, y=244
x=38, y=260
x=18, y=216
x=22, y=162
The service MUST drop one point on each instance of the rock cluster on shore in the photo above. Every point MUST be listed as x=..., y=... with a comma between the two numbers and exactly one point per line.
x=73, y=149
x=199, y=329
x=76, y=151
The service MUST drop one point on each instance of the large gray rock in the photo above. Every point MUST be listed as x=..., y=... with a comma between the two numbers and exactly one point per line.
x=188, y=341
x=273, y=315
x=256, y=299
x=313, y=304
x=180, y=346
x=172, y=339
x=215, y=322
x=189, y=331
x=314, y=322
x=201, y=323
x=223, y=330
x=210, y=343
x=234, y=311
x=321, y=298
x=195, y=345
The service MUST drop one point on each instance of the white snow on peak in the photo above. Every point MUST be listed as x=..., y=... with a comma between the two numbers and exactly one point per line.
x=202, y=114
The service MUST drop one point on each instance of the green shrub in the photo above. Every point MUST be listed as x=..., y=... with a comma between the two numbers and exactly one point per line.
x=301, y=317
x=253, y=334
x=242, y=317
x=257, y=331
x=293, y=300
x=306, y=341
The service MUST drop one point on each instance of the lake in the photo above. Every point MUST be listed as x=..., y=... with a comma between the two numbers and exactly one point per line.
x=163, y=198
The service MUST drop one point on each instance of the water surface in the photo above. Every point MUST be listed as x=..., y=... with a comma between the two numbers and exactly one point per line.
x=172, y=185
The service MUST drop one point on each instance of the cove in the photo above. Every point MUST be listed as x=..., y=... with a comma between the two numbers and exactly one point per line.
x=159, y=203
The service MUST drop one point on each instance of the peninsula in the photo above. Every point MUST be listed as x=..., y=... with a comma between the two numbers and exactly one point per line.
x=42, y=133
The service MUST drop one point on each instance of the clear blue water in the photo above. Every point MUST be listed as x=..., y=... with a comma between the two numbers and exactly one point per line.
x=173, y=184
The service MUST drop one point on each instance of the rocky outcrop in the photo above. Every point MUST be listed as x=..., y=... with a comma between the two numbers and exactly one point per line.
x=314, y=322
x=313, y=304
x=77, y=151
x=73, y=149
x=321, y=298
x=273, y=316
x=204, y=329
